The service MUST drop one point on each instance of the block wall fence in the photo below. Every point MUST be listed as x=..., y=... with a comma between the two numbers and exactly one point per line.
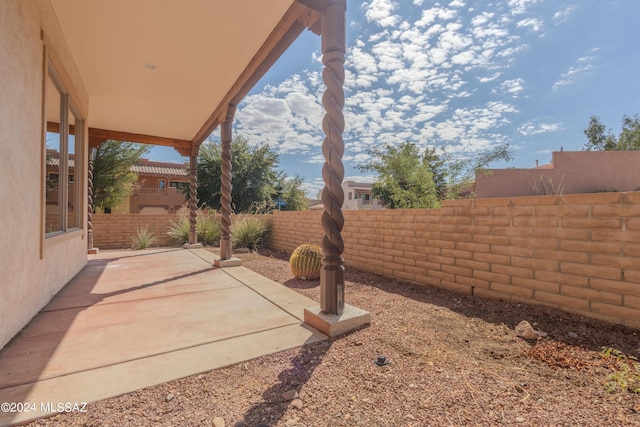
x=579, y=253
x=114, y=231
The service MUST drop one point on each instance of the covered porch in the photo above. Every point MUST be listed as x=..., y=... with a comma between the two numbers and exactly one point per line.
x=133, y=319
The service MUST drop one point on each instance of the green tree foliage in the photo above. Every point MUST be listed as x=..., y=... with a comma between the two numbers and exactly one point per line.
x=254, y=175
x=407, y=179
x=290, y=191
x=112, y=176
x=404, y=178
x=602, y=139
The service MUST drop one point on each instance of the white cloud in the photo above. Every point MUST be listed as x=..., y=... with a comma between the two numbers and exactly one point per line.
x=533, y=23
x=580, y=70
x=563, y=14
x=381, y=12
x=511, y=87
x=533, y=128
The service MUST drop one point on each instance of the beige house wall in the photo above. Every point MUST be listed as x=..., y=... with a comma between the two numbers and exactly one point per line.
x=32, y=268
x=577, y=171
x=578, y=253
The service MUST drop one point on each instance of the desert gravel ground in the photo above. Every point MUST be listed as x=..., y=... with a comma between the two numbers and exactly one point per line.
x=454, y=360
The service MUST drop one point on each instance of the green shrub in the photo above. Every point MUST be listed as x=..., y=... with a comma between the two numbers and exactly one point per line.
x=208, y=229
x=249, y=232
x=143, y=238
x=306, y=262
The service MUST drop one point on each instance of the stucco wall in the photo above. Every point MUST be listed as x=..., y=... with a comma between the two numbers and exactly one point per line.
x=577, y=171
x=579, y=253
x=32, y=269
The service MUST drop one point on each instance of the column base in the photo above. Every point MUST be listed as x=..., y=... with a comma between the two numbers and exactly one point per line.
x=93, y=251
x=231, y=262
x=192, y=246
x=336, y=324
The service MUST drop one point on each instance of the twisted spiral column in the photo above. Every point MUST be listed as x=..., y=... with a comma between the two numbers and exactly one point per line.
x=225, y=192
x=193, y=195
x=90, y=203
x=333, y=52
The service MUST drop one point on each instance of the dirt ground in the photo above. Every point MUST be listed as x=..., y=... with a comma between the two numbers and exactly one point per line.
x=454, y=360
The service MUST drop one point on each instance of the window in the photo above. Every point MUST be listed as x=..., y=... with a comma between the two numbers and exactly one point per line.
x=63, y=158
x=181, y=187
x=350, y=195
x=161, y=184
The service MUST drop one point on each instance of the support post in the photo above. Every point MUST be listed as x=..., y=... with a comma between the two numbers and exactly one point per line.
x=333, y=33
x=90, y=248
x=225, y=189
x=193, y=195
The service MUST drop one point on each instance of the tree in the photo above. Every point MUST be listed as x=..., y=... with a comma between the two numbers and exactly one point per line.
x=461, y=173
x=253, y=174
x=112, y=176
x=289, y=190
x=601, y=140
x=404, y=180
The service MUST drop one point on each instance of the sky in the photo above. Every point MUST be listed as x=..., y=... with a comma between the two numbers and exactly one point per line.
x=462, y=76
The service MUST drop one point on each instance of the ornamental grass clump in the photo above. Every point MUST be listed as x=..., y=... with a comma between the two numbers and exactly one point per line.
x=249, y=232
x=143, y=238
x=208, y=230
x=306, y=262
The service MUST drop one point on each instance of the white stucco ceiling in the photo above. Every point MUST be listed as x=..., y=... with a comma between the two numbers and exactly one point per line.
x=198, y=49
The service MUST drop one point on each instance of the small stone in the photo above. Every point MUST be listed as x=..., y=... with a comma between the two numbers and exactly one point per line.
x=240, y=424
x=297, y=404
x=572, y=335
x=357, y=343
x=289, y=395
x=169, y=397
x=291, y=422
x=218, y=422
x=519, y=419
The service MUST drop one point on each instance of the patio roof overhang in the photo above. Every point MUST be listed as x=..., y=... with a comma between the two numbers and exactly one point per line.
x=165, y=72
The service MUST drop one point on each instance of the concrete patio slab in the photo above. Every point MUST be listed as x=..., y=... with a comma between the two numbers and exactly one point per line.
x=133, y=319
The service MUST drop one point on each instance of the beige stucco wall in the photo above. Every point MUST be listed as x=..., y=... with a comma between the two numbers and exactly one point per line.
x=32, y=269
x=577, y=171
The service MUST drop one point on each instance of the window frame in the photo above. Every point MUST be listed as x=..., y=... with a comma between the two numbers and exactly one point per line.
x=70, y=190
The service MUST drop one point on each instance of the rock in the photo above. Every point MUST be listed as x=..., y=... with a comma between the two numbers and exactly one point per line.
x=297, y=403
x=169, y=397
x=289, y=395
x=572, y=335
x=520, y=419
x=218, y=422
x=291, y=422
x=526, y=331
x=240, y=424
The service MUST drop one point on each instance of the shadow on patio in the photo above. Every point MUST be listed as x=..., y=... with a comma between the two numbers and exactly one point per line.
x=133, y=319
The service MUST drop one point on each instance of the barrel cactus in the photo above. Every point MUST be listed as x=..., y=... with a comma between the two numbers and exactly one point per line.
x=306, y=262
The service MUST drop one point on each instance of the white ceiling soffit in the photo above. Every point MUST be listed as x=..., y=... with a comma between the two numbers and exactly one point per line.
x=161, y=67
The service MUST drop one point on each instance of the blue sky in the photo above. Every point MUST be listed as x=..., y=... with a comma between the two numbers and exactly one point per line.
x=462, y=75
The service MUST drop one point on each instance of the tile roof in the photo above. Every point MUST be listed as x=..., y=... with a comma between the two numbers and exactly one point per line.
x=160, y=169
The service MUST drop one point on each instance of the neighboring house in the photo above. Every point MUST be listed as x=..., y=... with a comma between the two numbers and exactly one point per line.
x=357, y=195
x=570, y=172
x=74, y=74
x=161, y=188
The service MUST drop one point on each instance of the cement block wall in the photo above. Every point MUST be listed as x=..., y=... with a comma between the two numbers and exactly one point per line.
x=113, y=231
x=579, y=253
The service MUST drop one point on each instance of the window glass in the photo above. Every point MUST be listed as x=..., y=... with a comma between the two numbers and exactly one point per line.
x=53, y=221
